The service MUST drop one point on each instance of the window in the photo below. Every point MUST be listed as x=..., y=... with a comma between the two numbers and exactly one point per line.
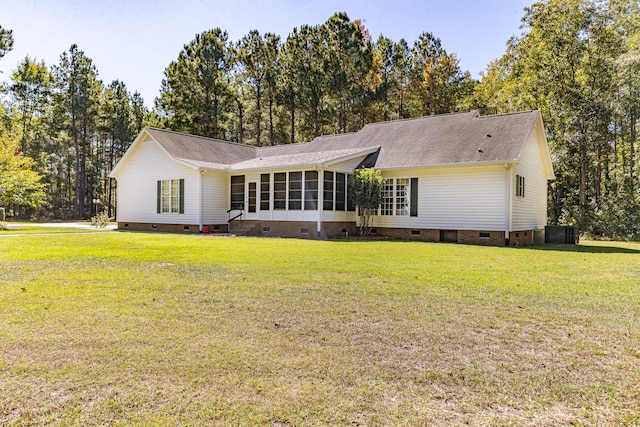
x=335, y=192
x=387, y=197
x=264, y=192
x=252, y=197
x=295, y=190
x=402, y=196
x=170, y=196
x=237, y=192
x=340, y=191
x=311, y=190
x=327, y=203
x=399, y=197
x=519, y=186
x=280, y=190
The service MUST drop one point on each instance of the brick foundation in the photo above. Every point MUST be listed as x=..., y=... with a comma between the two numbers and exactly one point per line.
x=298, y=229
x=424, y=235
x=336, y=230
x=186, y=228
x=522, y=238
x=489, y=238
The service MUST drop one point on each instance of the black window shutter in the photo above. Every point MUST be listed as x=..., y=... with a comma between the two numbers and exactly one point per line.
x=159, y=196
x=414, y=197
x=182, y=196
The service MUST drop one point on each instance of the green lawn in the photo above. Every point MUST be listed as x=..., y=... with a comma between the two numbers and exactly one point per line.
x=168, y=329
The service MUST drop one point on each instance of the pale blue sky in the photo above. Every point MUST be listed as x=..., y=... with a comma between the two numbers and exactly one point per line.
x=135, y=40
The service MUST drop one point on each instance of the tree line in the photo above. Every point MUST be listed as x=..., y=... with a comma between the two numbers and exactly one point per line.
x=577, y=61
x=324, y=79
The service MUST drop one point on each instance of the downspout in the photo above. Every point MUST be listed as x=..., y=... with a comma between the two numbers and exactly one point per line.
x=508, y=200
x=201, y=172
x=320, y=199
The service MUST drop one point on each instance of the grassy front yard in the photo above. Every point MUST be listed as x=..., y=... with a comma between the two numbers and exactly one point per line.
x=164, y=329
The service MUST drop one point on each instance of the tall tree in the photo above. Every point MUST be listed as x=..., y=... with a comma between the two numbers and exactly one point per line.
x=6, y=41
x=272, y=48
x=305, y=56
x=384, y=59
x=256, y=58
x=195, y=91
x=438, y=81
x=347, y=63
x=575, y=63
x=77, y=91
x=6, y=44
x=20, y=185
x=31, y=95
x=402, y=59
x=287, y=88
x=121, y=119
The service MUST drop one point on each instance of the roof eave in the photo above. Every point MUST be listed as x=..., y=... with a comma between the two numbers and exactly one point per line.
x=350, y=157
x=275, y=168
x=448, y=165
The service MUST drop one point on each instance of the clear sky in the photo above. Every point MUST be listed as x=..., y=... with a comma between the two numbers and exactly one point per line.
x=135, y=40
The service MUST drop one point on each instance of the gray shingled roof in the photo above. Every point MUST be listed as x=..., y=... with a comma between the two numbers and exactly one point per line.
x=191, y=148
x=300, y=159
x=457, y=138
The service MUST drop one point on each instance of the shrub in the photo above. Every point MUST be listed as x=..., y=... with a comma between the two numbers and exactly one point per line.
x=365, y=186
x=100, y=220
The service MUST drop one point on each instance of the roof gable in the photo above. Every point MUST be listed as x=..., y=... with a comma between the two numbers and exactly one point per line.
x=197, y=148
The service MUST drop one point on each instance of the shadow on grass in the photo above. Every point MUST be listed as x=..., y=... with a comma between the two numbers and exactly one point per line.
x=582, y=248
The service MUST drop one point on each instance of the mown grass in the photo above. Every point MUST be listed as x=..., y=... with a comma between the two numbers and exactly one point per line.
x=162, y=329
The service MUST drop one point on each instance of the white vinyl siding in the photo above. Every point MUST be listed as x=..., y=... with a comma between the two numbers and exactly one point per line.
x=138, y=186
x=530, y=211
x=456, y=198
x=347, y=166
x=215, y=198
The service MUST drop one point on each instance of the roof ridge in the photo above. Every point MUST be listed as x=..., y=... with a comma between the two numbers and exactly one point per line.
x=333, y=134
x=513, y=113
x=476, y=112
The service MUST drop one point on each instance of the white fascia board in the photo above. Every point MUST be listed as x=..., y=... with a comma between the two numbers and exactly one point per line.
x=295, y=168
x=138, y=140
x=451, y=165
x=186, y=163
x=547, y=154
x=127, y=153
x=538, y=126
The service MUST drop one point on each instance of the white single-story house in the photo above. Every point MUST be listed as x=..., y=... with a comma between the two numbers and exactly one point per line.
x=455, y=177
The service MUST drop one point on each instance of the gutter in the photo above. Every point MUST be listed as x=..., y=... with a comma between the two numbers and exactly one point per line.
x=451, y=165
x=508, y=199
x=201, y=172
